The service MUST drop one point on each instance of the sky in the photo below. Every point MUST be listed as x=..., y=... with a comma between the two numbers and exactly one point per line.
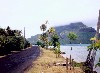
x=31, y=14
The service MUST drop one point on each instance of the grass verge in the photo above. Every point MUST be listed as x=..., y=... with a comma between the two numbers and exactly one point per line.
x=45, y=64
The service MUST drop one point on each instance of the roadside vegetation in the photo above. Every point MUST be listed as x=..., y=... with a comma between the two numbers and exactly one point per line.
x=11, y=40
x=49, y=38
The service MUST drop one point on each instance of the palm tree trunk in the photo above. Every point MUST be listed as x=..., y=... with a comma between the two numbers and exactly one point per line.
x=88, y=57
x=87, y=63
x=93, y=58
x=90, y=60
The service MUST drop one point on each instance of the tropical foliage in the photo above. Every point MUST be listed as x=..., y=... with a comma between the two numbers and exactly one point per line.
x=51, y=30
x=50, y=37
x=57, y=49
x=72, y=36
x=11, y=40
x=43, y=27
x=44, y=37
x=55, y=40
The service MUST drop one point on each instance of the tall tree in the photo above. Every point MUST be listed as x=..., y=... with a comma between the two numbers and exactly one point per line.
x=72, y=36
x=89, y=63
x=43, y=27
x=43, y=36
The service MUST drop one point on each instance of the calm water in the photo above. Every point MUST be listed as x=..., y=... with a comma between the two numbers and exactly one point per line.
x=79, y=53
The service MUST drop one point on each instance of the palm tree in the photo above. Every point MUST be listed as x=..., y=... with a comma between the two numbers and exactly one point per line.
x=43, y=37
x=43, y=27
x=89, y=63
x=72, y=36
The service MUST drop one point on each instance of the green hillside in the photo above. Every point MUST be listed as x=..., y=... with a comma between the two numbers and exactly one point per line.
x=83, y=32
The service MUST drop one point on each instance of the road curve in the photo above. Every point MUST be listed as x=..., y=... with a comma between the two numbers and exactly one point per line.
x=20, y=61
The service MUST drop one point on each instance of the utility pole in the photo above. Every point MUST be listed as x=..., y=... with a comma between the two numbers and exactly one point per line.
x=24, y=38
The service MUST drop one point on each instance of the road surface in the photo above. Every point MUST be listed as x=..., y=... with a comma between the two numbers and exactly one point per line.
x=20, y=61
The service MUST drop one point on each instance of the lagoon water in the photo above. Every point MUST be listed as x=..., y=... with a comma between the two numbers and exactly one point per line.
x=79, y=53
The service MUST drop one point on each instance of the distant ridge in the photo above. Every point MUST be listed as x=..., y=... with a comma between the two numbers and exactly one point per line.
x=83, y=32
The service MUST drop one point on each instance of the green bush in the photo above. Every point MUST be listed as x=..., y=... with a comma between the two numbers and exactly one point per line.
x=38, y=43
x=77, y=64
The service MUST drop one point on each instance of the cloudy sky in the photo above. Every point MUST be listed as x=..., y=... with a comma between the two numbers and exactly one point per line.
x=32, y=13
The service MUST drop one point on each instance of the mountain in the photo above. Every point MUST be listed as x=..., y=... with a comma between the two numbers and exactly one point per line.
x=33, y=39
x=83, y=32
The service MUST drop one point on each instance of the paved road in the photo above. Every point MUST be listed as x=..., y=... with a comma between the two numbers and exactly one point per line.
x=18, y=62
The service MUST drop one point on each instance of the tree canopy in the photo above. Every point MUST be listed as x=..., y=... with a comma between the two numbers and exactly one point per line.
x=72, y=36
x=11, y=40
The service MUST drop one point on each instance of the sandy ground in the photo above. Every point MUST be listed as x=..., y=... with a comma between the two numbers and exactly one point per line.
x=44, y=64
